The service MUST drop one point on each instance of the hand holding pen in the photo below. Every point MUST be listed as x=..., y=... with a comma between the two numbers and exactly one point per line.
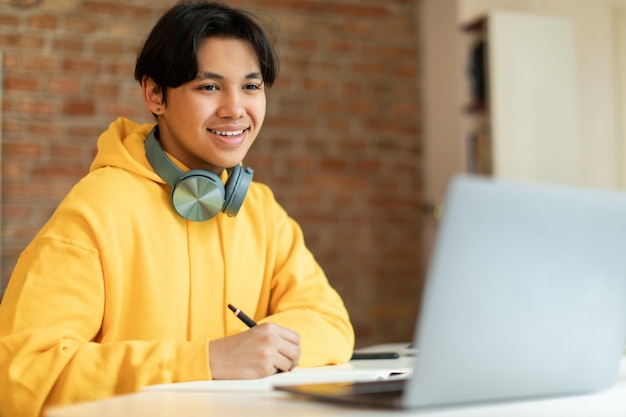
x=262, y=350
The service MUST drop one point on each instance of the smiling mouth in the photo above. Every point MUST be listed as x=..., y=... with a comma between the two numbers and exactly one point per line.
x=227, y=132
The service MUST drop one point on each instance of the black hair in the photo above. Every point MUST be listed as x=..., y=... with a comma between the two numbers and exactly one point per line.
x=170, y=53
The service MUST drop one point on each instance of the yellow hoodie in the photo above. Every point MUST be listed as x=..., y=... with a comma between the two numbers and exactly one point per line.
x=117, y=291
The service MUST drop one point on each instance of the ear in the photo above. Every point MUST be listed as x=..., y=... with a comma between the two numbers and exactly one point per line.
x=152, y=95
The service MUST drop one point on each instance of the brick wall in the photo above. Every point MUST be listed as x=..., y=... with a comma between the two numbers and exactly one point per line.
x=340, y=145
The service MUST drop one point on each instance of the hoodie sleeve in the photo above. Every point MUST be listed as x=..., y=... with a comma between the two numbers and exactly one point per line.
x=300, y=295
x=50, y=318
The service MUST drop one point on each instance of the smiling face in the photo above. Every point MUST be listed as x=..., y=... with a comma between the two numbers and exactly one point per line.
x=211, y=121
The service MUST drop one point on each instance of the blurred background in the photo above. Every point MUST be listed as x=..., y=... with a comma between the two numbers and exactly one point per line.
x=365, y=125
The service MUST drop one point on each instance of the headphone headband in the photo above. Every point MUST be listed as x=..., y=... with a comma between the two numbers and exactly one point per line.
x=167, y=170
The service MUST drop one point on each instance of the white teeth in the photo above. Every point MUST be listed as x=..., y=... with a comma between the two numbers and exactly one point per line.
x=227, y=132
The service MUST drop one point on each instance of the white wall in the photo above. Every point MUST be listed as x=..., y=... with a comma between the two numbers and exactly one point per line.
x=619, y=21
x=443, y=149
x=440, y=91
x=533, y=103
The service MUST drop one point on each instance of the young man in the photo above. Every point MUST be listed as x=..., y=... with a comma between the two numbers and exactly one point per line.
x=128, y=283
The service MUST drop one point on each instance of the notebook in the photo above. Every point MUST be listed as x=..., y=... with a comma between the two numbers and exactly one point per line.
x=525, y=297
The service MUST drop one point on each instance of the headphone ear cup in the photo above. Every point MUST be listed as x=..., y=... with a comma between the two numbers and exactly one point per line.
x=198, y=195
x=237, y=185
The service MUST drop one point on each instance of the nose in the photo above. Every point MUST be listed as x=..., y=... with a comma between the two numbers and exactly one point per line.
x=231, y=105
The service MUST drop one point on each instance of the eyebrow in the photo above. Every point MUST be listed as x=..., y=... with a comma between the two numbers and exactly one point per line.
x=214, y=76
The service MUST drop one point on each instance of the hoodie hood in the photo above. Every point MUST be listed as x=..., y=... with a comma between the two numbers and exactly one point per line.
x=122, y=146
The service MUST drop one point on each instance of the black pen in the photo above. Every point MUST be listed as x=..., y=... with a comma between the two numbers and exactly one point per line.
x=242, y=316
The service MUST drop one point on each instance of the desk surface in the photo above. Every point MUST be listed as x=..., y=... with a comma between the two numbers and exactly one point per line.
x=609, y=403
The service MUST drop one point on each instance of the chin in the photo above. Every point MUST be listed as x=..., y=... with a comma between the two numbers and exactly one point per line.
x=231, y=162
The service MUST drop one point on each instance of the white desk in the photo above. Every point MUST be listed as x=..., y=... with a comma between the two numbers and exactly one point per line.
x=609, y=403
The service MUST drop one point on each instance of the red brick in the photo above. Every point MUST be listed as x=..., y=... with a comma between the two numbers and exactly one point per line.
x=59, y=171
x=298, y=66
x=79, y=108
x=395, y=129
x=81, y=65
x=42, y=21
x=44, y=129
x=84, y=132
x=64, y=152
x=64, y=84
x=406, y=71
x=299, y=122
x=7, y=20
x=34, y=107
x=114, y=9
x=81, y=24
x=21, y=83
x=22, y=3
x=23, y=41
x=124, y=69
x=352, y=145
x=12, y=169
x=16, y=212
x=370, y=166
x=116, y=110
x=370, y=69
x=301, y=162
x=104, y=90
x=108, y=48
x=11, y=126
x=22, y=150
x=315, y=85
x=352, y=11
x=68, y=44
x=361, y=107
x=11, y=60
x=39, y=63
x=404, y=110
x=25, y=233
x=308, y=45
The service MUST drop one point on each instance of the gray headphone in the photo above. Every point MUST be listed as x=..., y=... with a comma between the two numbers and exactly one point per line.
x=198, y=194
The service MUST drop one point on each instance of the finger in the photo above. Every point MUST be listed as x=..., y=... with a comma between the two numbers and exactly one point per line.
x=291, y=352
x=286, y=333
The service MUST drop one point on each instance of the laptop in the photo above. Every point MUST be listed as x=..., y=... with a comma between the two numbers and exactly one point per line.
x=525, y=298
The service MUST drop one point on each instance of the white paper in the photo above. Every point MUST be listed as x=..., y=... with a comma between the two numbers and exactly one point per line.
x=297, y=376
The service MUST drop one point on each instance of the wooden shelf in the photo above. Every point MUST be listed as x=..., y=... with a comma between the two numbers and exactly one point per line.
x=476, y=108
x=476, y=25
x=511, y=58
